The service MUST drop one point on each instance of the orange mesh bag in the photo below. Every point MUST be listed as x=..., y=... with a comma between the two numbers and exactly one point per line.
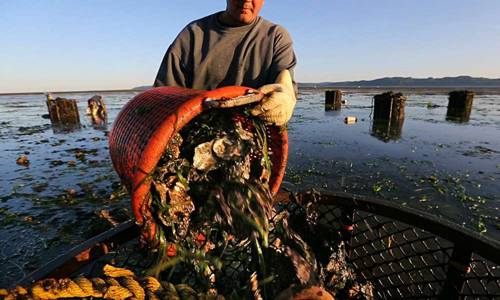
x=148, y=122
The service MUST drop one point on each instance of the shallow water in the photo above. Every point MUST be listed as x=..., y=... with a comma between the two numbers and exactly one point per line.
x=443, y=167
x=446, y=168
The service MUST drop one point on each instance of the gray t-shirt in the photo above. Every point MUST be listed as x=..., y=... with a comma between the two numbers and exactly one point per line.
x=207, y=55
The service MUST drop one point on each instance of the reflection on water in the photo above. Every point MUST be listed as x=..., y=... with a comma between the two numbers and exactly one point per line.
x=386, y=130
x=458, y=115
x=62, y=128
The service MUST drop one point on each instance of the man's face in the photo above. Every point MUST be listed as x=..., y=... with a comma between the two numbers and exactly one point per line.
x=243, y=11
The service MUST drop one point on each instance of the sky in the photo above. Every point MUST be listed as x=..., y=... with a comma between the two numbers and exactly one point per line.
x=69, y=45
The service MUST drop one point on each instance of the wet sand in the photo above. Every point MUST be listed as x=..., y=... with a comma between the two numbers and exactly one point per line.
x=447, y=168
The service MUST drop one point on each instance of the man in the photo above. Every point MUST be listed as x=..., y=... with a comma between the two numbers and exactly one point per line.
x=235, y=47
x=96, y=107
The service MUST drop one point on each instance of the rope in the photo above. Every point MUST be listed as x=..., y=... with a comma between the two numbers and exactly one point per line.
x=119, y=284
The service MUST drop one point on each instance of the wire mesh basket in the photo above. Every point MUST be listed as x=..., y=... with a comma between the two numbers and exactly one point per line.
x=403, y=252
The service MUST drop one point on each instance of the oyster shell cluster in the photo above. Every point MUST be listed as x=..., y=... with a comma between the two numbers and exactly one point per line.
x=230, y=149
x=210, y=197
x=213, y=150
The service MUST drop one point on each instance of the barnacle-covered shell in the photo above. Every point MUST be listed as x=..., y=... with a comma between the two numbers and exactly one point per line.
x=229, y=148
x=181, y=208
x=172, y=149
x=204, y=159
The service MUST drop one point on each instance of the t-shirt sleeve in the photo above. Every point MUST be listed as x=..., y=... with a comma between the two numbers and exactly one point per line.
x=172, y=72
x=284, y=56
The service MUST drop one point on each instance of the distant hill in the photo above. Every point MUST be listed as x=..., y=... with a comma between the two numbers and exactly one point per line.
x=143, y=87
x=459, y=81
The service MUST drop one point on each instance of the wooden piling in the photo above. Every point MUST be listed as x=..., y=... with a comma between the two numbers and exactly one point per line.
x=389, y=106
x=388, y=116
x=63, y=111
x=333, y=100
x=460, y=99
x=460, y=106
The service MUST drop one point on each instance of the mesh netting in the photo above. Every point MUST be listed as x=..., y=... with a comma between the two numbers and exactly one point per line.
x=401, y=261
x=146, y=124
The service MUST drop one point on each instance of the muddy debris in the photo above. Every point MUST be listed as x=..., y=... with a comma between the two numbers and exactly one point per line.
x=56, y=163
x=23, y=160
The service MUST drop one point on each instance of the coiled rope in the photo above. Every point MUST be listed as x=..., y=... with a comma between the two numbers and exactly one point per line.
x=119, y=284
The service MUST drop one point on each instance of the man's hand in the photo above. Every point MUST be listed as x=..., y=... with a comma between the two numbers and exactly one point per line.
x=277, y=106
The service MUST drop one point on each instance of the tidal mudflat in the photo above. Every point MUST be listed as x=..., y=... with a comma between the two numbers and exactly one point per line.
x=66, y=189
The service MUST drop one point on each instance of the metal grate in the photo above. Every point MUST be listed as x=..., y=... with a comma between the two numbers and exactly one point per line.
x=401, y=260
x=483, y=279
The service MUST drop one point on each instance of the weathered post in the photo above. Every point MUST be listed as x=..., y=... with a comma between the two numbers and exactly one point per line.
x=460, y=99
x=62, y=111
x=460, y=106
x=333, y=100
x=388, y=116
x=389, y=106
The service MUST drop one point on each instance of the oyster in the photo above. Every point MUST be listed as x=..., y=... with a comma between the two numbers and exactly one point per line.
x=161, y=189
x=172, y=149
x=180, y=209
x=204, y=159
x=229, y=148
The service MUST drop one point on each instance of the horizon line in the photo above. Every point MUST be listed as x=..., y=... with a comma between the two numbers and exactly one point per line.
x=303, y=87
x=334, y=84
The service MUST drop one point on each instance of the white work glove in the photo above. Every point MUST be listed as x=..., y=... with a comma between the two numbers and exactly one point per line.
x=277, y=106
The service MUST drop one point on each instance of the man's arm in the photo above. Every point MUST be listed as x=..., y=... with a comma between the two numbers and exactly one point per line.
x=279, y=100
x=283, y=58
x=172, y=72
x=281, y=92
